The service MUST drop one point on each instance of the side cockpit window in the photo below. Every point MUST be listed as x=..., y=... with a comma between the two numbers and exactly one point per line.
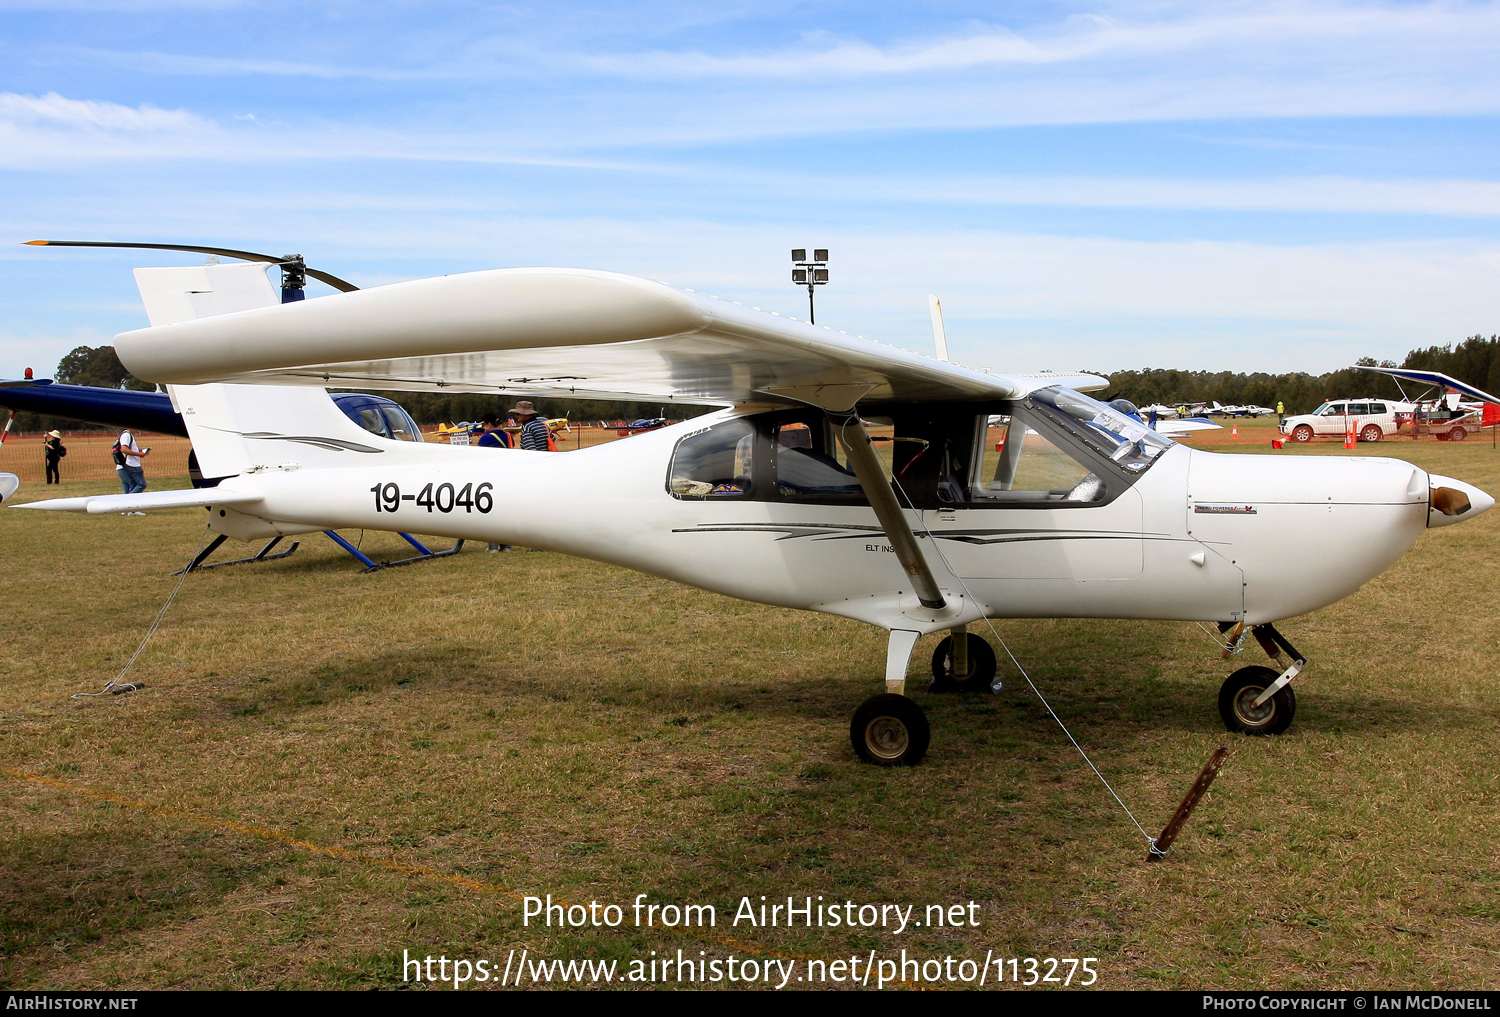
x=1016, y=464
x=715, y=464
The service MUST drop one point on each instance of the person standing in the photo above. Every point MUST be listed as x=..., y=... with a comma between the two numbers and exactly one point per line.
x=128, y=464
x=535, y=436
x=494, y=437
x=53, y=451
x=1280, y=412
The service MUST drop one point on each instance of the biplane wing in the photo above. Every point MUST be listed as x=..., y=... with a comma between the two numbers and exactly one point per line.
x=558, y=332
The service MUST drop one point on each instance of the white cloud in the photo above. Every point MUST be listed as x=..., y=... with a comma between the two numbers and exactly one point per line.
x=1331, y=27
x=1282, y=58
x=55, y=110
x=1441, y=197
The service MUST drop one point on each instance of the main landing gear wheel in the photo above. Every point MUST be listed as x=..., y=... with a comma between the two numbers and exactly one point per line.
x=1237, y=697
x=890, y=730
x=981, y=673
x=1371, y=432
x=1302, y=433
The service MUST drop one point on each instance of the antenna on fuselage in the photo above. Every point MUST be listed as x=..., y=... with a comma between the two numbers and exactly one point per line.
x=939, y=336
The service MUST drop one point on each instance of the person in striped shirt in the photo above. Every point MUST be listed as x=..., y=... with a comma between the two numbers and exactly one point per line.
x=535, y=437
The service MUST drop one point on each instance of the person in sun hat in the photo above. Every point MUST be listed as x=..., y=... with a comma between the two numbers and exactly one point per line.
x=535, y=437
x=53, y=450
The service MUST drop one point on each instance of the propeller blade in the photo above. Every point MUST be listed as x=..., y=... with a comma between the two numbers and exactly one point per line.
x=321, y=276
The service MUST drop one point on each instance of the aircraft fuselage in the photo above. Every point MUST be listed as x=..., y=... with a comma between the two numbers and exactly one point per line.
x=1198, y=536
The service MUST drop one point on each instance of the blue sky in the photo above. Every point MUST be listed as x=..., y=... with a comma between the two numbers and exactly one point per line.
x=1253, y=186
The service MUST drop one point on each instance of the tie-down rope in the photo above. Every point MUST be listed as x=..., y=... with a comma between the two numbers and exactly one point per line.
x=922, y=518
x=117, y=684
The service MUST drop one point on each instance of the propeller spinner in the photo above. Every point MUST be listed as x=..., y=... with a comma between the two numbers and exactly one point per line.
x=294, y=270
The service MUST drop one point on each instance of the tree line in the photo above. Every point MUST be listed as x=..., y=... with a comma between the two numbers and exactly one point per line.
x=1475, y=360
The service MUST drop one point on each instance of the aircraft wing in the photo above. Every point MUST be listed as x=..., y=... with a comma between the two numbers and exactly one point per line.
x=1186, y=425
x=1435, y=378
x=558, y=332
x=104, y=504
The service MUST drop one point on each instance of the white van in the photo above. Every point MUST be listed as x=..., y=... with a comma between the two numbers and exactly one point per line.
x=1373, y=419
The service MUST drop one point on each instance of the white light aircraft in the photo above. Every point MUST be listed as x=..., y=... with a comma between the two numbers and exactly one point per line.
x=841, y=475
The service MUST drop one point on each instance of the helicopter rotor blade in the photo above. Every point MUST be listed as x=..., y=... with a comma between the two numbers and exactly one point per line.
x=321, y=276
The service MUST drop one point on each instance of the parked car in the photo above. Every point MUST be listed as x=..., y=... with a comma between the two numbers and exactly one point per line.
x=1373, y=419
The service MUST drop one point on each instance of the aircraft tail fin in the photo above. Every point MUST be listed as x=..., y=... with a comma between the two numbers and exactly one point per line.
x=239, y=429
x=172, y=295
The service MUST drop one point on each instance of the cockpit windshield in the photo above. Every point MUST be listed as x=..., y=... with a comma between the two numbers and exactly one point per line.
x=1127, y=441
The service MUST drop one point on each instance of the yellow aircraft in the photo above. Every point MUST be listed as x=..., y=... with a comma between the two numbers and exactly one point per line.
x=465, y=431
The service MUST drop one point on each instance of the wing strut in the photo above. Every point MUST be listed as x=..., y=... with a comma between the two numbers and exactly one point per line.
x=851, y=432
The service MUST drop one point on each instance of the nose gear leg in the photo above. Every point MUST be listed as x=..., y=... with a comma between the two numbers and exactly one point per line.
x=1273, y=642
x=1255, y=700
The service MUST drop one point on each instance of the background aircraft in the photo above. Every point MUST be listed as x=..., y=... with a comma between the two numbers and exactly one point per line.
x=153, y=411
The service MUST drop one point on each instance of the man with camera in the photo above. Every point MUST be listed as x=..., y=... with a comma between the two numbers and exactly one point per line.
x=128, y=464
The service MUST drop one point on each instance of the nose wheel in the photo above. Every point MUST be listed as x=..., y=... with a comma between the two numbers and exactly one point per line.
x=1244, y=708
x=1258, y=700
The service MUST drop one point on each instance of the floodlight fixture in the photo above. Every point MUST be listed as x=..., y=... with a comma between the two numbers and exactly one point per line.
x=810, y=273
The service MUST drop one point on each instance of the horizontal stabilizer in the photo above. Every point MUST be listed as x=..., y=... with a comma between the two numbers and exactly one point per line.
x=104, y=504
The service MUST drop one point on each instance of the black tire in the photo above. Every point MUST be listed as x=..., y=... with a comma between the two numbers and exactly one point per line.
x=1371, y=432
x=1302, y=433
x=1457, y=434
x=1242, y=688
x=981, y=667
x=890, y=730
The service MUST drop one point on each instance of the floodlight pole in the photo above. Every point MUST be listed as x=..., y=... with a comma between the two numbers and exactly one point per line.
x=810, y=272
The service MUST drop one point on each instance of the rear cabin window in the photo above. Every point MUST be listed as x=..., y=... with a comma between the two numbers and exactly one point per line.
x=715, y=464
x=1359, y=409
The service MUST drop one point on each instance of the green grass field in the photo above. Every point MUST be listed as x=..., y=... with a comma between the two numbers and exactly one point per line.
x=326, y=768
